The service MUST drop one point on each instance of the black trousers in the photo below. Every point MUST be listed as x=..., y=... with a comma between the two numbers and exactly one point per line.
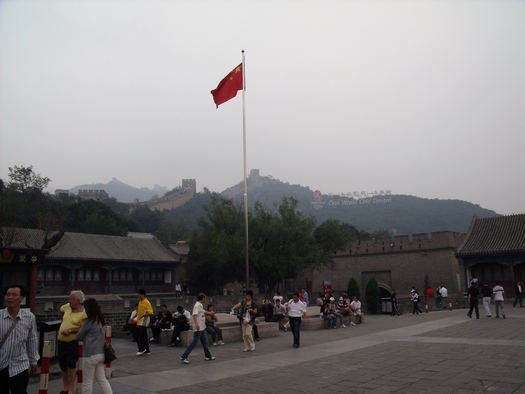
x=17, y=384
x=474, y=305
x=295, y=326
x=142, y=338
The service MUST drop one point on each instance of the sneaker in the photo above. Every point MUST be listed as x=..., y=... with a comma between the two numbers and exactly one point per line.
x=147, y=353
x=184, y=360
x=245, y=349
x=284, y=326
x=258, y=339
x=209, y=358
x=334, y=327
x=352, y=324
x=141, y=353
x=252, y=349
x=214, y=343
x=343, y=326
x=172, y=345
x=220, y=343
x=178, y=339
x=153, y=340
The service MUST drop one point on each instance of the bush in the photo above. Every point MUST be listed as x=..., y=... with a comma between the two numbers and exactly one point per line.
x=353, y=289
x=372, y=296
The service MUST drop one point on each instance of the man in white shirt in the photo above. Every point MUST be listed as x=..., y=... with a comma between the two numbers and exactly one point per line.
x=355, y=305
x=199, y=333
x=444, y=292
x=499, y=299
x=295, y=308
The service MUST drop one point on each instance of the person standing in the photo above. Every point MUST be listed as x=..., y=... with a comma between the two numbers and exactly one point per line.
x=444, y=292
x=414, y=296
x=429, y=293
x=248, y=312
x=306, y=297
x=144, y=311
x=473, y=294
x=295, y=308
x=92, y=334
x=178, y=290
x=72, y=315
x=499, y=299
x=199, y=333
x=393, y=301
x=18, y=348
x=439, y=297
x=486, y=291
x=519, y=295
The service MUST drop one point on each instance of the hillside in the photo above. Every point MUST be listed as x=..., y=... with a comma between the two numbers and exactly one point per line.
x=400, y=214
x=123, y=192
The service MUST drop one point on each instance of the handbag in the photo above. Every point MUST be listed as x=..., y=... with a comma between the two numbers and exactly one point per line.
x=109, y=352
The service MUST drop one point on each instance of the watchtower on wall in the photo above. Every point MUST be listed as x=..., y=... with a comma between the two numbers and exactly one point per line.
x=189, y=185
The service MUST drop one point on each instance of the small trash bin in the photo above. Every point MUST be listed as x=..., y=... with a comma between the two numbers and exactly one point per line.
x=49, y=332
x=386, y=305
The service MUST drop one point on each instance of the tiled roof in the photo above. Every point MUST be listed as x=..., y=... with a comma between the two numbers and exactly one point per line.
x=494, y=235
x=77, y=246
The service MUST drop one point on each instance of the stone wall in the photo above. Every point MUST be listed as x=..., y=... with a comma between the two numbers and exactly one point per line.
x=117, y=308
x=398, y=262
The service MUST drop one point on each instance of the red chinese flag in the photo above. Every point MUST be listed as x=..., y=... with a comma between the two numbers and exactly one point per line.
x=228, y=87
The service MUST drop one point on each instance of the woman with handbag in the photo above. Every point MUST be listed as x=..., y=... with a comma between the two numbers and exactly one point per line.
x=91, y=333
x=246, y=315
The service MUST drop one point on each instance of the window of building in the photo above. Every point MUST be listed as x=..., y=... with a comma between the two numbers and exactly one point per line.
x=88, y=274
x=49, y=274
x=58, y=274
x=40, y=274
x=96, y=274
x=130, y=275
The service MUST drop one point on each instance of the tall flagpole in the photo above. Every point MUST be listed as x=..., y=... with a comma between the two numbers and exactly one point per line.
x=245, y=175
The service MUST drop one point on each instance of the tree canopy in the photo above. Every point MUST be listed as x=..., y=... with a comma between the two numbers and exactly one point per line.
x=282, y=242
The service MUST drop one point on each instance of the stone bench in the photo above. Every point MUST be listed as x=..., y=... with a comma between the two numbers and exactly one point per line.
x=232, y=334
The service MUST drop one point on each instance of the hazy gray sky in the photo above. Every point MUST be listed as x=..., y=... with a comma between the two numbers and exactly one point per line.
x=417, y=97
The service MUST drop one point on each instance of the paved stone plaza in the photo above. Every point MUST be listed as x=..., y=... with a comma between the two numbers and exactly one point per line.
x=439, y=352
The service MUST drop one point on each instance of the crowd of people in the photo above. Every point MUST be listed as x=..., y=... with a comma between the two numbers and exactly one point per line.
x=82, y=320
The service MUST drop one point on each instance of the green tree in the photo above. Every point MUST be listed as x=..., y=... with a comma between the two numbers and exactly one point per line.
x=94, y=217
x=22, y=200
x=217, y=249
x=282, y=243
x=333, y=236
x=25, y=180
x=353, y=288
x=372, y=296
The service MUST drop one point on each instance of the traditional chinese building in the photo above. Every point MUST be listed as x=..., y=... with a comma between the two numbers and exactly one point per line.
x=102, y=264
x=494, y=249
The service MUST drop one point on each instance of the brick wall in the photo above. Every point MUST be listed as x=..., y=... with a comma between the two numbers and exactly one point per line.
x=399, y=262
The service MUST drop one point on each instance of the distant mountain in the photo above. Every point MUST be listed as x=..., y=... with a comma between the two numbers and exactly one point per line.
x=123, y=192
x=399, y=214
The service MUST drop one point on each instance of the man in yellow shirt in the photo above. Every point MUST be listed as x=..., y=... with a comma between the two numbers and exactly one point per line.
x=144, y=312
x=72, y=315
